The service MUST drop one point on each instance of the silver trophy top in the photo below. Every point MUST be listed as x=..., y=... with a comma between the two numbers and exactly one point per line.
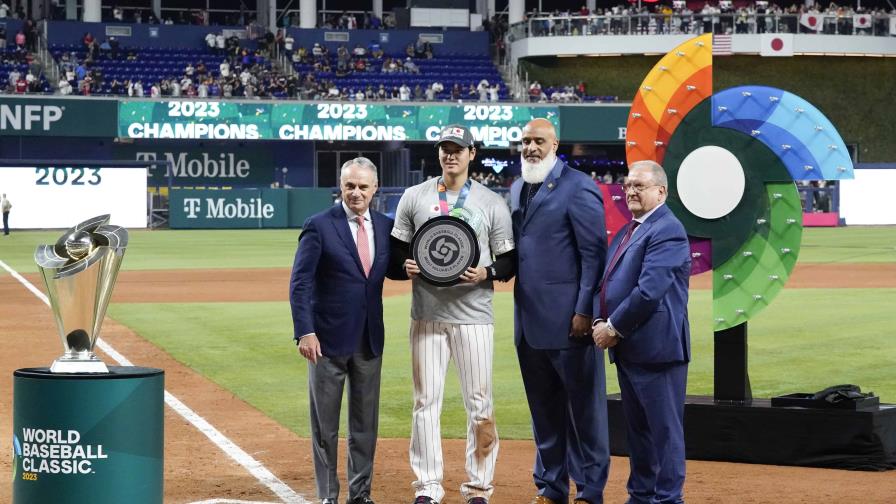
x=79, y=271
x=77, y=249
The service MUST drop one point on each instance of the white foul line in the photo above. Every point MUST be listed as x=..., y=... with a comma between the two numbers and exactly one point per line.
x=266, y=477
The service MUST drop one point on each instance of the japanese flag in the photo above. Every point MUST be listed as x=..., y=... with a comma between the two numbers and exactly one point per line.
x=861, y=21
x=776, y=44
x=811, y=21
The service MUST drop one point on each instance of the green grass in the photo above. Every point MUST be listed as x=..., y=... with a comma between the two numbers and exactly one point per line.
x=852, y=244
x=175, y=249
x=227, y=249
x=806, y=340
x=837, y=337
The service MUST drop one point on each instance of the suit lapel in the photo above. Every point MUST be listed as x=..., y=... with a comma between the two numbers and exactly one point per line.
x=340, y=222
x=639, y=235
x=515, y=191
x=550, y=183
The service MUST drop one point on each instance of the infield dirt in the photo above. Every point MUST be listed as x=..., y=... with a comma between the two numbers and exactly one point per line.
x=196, y=470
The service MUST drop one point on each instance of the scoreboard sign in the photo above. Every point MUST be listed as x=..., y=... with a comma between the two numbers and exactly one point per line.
x=211, y=120
x=61, y=196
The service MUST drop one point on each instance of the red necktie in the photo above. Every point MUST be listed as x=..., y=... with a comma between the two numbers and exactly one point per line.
x=363, y=246
x=603, y=293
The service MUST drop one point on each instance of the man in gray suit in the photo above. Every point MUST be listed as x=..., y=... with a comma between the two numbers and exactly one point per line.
x=336, y=294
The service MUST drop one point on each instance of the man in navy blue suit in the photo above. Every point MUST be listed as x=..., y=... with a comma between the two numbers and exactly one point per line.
x=643, y=306
x=336, y=294
x=558, y=226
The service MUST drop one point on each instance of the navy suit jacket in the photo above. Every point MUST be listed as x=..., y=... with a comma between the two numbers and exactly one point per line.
x=328, y=292
x=561, y=250
x=647, y=292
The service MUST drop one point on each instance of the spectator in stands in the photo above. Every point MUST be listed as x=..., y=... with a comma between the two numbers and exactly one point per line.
x=220, y=43
x=389, y=21
x=472, y=92
x=288, y=42
x=2, y=39
x=455, y=91
x=410, y=66
x=4, y=9
x=65, y=87
x=418, y=93
x=210, y=41
x=117, y=14
x=155, y=91
x=86, y=86
x=482, y=90
x=535, y=91
x=224, y=69
x=376, y=52
x=494, y=92
x=20, y=40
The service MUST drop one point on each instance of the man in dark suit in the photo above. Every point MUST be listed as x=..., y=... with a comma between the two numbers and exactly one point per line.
x=336, y=294
x=643, y=306
x=558, y=226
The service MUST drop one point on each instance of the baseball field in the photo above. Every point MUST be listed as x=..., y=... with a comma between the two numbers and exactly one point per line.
x=211, y=308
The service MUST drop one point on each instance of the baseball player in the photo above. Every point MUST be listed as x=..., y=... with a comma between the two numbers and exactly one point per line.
x=454, y=322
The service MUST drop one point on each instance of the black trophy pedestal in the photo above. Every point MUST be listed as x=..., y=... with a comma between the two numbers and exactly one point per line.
x=761, y=434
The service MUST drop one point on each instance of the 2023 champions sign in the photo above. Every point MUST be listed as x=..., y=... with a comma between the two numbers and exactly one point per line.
x=214, y=120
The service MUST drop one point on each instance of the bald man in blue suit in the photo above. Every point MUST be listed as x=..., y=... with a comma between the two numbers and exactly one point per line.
x=558, y=227
x=643, y=307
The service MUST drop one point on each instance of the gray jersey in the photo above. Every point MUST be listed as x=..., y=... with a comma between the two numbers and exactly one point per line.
x=488, y=214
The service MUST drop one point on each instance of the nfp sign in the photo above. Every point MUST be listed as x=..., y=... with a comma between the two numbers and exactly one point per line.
x=232, y=120
x=69, y=117
x=228, y=209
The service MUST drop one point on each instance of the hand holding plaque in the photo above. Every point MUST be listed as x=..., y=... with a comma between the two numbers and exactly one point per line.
x=79, y=271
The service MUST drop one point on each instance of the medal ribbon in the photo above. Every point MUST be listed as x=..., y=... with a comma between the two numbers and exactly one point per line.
x=461, y=198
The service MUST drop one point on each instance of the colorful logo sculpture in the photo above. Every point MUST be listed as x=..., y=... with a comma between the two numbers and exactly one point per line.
x=732, y=159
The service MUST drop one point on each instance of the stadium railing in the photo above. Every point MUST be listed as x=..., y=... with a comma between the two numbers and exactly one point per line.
x=696, y=23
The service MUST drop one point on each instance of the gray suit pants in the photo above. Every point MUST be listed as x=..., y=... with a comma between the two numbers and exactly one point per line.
x=326, y=381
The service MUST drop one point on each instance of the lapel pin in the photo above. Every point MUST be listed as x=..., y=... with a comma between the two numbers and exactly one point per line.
x=550, y=185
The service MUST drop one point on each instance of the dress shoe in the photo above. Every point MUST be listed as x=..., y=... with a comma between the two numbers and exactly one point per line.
x=425, y=499
x=328, y=501
x=541, y=499
x=361, y=499
x=580, y=501
x=477, y=500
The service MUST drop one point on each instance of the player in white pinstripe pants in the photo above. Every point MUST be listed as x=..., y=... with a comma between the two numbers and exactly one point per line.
x=471, y=346
x=454, y=322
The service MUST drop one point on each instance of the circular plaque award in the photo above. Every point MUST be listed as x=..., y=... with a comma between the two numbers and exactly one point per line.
x=444, y=247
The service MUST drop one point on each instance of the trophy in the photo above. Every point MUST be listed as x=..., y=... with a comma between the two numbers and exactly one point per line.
x=79, y=272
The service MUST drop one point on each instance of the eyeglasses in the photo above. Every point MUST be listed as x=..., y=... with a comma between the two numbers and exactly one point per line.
x=636, y=188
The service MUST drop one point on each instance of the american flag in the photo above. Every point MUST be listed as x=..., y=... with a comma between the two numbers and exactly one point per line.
x=721, y=45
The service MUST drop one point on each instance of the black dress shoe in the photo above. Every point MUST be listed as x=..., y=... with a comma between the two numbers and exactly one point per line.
x=361, y=499
x=425, y=499
x=328, y=501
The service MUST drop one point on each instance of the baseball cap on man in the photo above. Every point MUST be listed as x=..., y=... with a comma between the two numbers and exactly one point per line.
x=455, y=133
